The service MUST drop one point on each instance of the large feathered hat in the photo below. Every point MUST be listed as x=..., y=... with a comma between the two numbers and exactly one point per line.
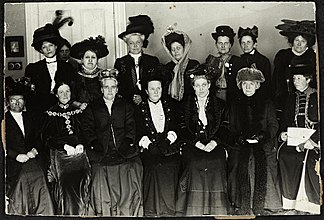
x=139, y=24
x=50, y=32
x=158, y=73
x=20, y=86
x=97, y=45
x=304, y=27
x=209, y=70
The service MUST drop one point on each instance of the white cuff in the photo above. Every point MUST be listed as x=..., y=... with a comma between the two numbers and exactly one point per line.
x=172, y=136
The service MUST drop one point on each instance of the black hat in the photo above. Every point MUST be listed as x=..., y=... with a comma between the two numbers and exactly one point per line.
x=302, y=66
x=253, y=32
x=174, y=37
x=46, y=33
x=21, y=86
x=139, y=24
x=209, y=70
x=223, y=30
x=63, y=42
x=158, y=73
x=304, y=27
x=98, y=45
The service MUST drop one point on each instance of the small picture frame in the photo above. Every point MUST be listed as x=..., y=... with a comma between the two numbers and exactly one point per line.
x=14, y=46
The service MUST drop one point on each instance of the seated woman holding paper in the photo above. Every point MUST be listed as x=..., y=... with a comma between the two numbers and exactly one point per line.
x=252, y=157
x=69, y=170
x=299, y=163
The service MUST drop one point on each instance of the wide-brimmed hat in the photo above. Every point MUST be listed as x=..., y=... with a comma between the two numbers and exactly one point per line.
x=253, y=32
x=249, y=74
x=302, y=66
x=157, y=73
x=209, y=70
x=97, y=45
x=139, y=24
x=45, y=33
x=174, y=37
x=223, y=30
x=20, y=86
x=304, y=27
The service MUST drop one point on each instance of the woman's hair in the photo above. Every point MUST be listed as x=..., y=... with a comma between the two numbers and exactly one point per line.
x=310, y=39
x=127, y=36
x=231, y=39
x=58, y=85
x=92, y=50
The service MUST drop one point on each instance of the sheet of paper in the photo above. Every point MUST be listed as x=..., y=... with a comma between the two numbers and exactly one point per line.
x=251, y=141
x=298, y=136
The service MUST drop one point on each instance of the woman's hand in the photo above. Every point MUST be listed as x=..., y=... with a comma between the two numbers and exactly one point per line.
x=284, y=136
x=200, y=145
x=69, y=150
x=79, y=149
x=144, y=142
x=32, y=153
x=22, y=158
x=308, y=145
x=210, y=146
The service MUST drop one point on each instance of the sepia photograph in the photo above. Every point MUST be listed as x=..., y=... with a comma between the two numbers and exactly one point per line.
x=161, y=109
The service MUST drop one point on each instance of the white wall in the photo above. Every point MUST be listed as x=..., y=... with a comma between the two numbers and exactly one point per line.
x=199, y=20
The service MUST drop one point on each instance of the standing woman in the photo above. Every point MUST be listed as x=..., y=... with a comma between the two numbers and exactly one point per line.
x=45, y=73
x=177, y=45
x=253, y=128
x=252, y=58
x=136, y=63
x=86, y=86
x=64, y=50
x=157, y=136
x=69, y=170
x=301, y=37
x=299, y=165
x=202, y=186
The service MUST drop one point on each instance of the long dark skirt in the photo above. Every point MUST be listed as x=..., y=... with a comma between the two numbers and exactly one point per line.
x=203, y=185
x=31, y=195
x=161, y=175
x=116, y=190
x=300, y=181
x=71, y=182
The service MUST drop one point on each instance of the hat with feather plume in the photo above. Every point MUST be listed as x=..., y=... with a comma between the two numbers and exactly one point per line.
x=304, y=27
x=97, y=45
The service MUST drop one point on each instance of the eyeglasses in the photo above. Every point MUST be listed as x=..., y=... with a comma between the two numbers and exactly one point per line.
x=13, y=101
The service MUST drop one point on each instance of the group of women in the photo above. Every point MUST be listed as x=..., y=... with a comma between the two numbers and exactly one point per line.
x=207, y=134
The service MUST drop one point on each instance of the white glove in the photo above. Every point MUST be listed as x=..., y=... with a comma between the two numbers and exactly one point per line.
x=79, y=149
x=32, y=153
x=200, y=145
x=172, y=136
x=69, y=149
x=308, y=145
x=144, y=142
x=210, y=146
x=22, y=158
x=284, y=136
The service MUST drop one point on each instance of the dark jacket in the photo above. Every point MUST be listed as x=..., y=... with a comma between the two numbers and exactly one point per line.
x=192, y=130
x=125, y=66
x=99, y=127
x=145, y=127
x=262, y=63
x=42, y=99
x=281, y=87
x=16, y=143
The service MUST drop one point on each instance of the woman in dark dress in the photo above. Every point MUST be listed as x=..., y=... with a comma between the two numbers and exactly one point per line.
x=252, y=58
x=86, y=86
x=301, y=37
x=253, y=127
x=177, y=46
x=133, y=66
x=202, y=186
x=299, y=165
x=26, y=186
x=69, y=170
x=157, y=129
x=45, y=73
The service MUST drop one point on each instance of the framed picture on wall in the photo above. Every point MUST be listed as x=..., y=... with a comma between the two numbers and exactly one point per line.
x=14, y=46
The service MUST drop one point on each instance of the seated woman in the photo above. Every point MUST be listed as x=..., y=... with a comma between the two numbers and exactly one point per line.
x=26, y=186
x=86, y=86
x=177, y=45
x=202, y=189
x=69, y=170
x=252, y=157
x=299, y=165
x=156, y=129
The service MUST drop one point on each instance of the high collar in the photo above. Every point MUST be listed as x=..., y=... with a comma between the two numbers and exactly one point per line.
x=51, y=60
x=150, y=101
x=296, y=53
x=64, y=106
